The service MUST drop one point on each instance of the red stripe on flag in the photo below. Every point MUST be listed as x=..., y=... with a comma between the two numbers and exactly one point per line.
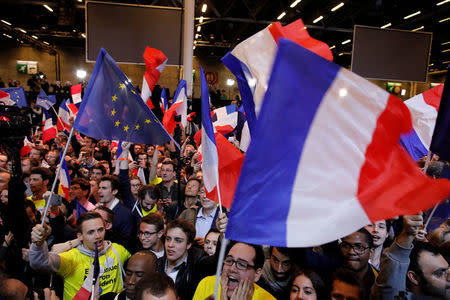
x=433, y=96
x=398, y=187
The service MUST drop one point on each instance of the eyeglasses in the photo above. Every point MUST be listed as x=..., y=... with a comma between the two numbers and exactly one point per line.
x=146, y=233
x=240, y=264
x=359, y=249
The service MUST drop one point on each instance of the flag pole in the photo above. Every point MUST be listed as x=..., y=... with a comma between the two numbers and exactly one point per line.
x=57, y=116
x=56, y=178
x=425, y=168
x=223, y=247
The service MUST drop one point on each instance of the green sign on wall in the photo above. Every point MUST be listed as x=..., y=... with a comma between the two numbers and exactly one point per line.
x=22, y=68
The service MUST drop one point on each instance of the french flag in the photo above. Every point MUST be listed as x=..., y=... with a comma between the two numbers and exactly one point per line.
x=49, y=132
x=73, y=109
x=64, y=179
x=251, y=61
x=164, y=104
x=338, y=164
x=225, y=118
x=27, y=145
x=424, y=110
x=210, y=160
x=155, y=61
x=63, y=121
x=75, y=90
x=179, y=107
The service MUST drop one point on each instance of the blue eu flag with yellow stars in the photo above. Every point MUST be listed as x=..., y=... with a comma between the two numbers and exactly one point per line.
x=16, y=94
x=112, y=109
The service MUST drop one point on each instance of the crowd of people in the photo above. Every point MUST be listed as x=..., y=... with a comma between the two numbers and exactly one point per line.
x=146, y=217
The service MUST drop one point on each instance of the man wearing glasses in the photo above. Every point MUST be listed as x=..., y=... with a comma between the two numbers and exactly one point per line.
x=242, y=267
x=355, y=250
x=151, y=230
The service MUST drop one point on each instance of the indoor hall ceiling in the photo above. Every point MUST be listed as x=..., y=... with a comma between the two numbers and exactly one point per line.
x=227, y=22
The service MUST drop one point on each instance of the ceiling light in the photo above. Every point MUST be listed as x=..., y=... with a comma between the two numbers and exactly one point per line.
x=446, y=62
x=442, y=2
x=446, y=43
x=74, y=30
x=83, y=35
x=386, y=26
x=430, y=65
x=43, y=27
x=418, y=28
x=34, y=37
x=346, y=42
x=230, y=82
x=7, y=35
x=204, y=7
x=193, y=48
x=48, y=8
x=81, y=74
x=332, y=47
x=20, y=29
x=46, y=43
x=340, y=54
x=294, y=4
x=318, y=19
x=80, y=0
x=448, y=50
x=201, y=19
x=199, y=28
x=444, y=20
x=197, y=35
x=281, y=16
x=6, y=22
x=337, y=6
x=412, y=15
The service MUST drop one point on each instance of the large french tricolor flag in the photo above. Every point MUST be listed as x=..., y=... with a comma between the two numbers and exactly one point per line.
x=338, y=164
x=210, y=160
x=49, y=132
x=225, y=118
x=155, y=61
x=251, y=61
x=424, y=110
x=178, y=107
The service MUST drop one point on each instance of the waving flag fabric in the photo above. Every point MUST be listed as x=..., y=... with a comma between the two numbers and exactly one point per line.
x=424, y=110
x=64, y=179
x=338, y=159
x=178, y=108
x=45, y=101
x=251, y=61
x=225, y=118
x=164, y=104
x=49, y=132
x=27, y=145
x=63, y=122
x=75, y=90
x=440, y=143
x=73, y=109
x=5, y=99
x=155, y=61
x=16, y=94
x=111, y=108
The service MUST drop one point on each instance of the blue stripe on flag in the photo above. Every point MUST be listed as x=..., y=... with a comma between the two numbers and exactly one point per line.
x=206, y=112
x=231, y=109
x=413, y=145
x=288, y=110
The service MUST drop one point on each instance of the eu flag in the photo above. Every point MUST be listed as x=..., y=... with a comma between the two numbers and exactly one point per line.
x=17, y=94
x=45, y=101
x=112, y=109
x=440, y=143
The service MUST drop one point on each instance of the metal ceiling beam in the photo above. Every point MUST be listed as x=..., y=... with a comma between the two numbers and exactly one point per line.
x=237, y=20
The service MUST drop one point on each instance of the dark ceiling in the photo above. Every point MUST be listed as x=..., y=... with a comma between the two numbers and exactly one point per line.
x=227, y=22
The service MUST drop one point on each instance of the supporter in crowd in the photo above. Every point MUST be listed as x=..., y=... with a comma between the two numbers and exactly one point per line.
x=307, y=285
x=151, y=231
x=211, y=240
x=380, y=232
x=156, y=286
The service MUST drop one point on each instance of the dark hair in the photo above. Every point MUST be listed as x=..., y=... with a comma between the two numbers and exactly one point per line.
x=369, y=238
x=83, y=183
x=156, y=284
x=195, y=179
x=215, y=230
x=109, y=213
x=135, y=177
x=100, y=167
x=259, y=253
x=155, y=220
x=115, y=182
x=90, y=215
x=150, y=189
x=414, y=256
x=169, y=162
x=185, y=226
x=88, y=150
x=142, y=153
x=346, y=276
x=317, y=282
x=40, y=149
x=283, y=250
x=45, y=173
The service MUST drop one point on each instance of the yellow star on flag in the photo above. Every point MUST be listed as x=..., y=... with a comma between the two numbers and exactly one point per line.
x=133, y=92
x=122, y=86
x=113, y=112
x=148, y=121
x=126, y=128
x=137, y=127
x=114, y=98
x=117, y=123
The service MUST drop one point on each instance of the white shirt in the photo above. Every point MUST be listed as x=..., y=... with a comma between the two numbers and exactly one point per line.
x=174, y=272
x=202, y=224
